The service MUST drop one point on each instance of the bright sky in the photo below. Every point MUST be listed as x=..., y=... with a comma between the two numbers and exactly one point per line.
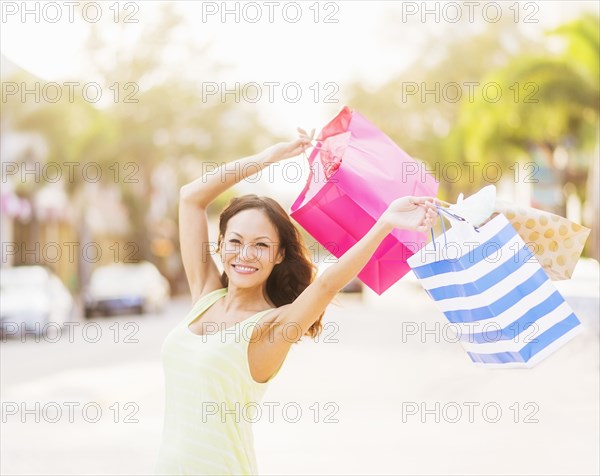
x=315, y=52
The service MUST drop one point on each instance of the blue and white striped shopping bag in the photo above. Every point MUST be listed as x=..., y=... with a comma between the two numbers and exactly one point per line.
x=504, y=308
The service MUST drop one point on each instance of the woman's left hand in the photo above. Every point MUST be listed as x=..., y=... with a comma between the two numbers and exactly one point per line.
x=411, y=213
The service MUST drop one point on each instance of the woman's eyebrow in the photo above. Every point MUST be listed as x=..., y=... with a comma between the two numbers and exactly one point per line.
x=257, y=238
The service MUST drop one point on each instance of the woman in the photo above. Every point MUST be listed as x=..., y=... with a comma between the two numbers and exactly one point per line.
x=219, y=359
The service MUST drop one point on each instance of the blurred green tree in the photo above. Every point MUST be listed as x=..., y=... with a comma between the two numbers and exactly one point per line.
x=554, y=108
x=421, y=107
x=161, y=118
x=155, y=123
x=558, y=99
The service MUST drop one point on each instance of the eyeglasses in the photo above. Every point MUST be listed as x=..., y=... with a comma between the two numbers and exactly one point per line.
x=258, y=249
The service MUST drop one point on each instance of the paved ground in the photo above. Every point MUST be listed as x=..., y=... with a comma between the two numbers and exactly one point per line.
x=366, y=398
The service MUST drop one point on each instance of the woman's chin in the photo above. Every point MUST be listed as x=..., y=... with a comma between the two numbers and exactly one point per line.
x=244, y=281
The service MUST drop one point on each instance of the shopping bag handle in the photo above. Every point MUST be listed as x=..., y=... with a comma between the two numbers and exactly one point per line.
x=316, y=147
x=445, y=213
x=329, y=166
x=443, y=230
x=313, y=153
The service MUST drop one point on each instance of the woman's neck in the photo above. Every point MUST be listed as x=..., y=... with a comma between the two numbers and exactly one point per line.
x=245, y=299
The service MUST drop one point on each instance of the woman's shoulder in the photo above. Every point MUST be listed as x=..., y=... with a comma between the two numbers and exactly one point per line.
x=206, y=293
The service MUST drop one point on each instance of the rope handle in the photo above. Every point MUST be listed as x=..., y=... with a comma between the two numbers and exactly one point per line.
x=314, y=147
x=444, y=213
x=329, y=167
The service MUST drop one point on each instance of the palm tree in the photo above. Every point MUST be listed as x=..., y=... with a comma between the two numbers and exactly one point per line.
x=554, y=103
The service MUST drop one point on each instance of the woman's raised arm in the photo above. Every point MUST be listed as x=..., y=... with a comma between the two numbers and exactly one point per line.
x=411, y=213
x=196, y=250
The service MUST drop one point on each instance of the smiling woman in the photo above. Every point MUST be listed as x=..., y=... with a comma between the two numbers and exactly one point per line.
x=281, y=261
x=235, y=246
x=267, y=298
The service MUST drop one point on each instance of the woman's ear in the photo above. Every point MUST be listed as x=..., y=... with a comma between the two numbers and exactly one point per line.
x=280, y=257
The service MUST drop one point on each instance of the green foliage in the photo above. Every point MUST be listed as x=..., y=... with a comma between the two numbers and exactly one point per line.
x=562, y=101
x=157, y=119
x=547, y=98
x=428, y=125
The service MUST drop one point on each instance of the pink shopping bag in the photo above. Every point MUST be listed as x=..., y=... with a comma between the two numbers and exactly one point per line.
x=356, y=171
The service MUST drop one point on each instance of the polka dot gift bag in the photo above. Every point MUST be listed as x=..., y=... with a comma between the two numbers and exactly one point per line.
x=556, y=242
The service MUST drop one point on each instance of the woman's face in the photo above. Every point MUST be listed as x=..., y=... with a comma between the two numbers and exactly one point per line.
x=250, y=248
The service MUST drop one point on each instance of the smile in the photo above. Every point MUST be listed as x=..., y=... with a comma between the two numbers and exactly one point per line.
x=243, y=269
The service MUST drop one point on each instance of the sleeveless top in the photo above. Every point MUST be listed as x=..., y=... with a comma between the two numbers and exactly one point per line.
x=210, y=397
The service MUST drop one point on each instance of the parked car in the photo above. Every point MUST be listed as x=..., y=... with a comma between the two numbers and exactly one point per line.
x=126, y=287
x=30, y=298
x=354, y=286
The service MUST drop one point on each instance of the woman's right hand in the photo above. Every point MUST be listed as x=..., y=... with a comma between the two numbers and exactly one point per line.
x=411, y=213
x=286, y=150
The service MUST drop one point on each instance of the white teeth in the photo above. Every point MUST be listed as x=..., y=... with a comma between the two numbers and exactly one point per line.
x=243, y=268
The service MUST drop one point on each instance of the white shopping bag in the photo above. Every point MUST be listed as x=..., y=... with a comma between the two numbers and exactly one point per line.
x=504, y=307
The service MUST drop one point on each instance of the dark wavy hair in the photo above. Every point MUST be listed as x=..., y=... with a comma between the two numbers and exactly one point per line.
x=293, y=275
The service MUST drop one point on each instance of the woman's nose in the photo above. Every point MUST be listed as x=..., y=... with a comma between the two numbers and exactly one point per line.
x=249, y=252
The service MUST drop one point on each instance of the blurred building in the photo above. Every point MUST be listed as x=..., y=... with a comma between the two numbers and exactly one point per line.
x=36, y=216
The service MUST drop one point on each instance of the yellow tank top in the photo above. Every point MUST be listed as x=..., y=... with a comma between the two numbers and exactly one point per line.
x=210, y=397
